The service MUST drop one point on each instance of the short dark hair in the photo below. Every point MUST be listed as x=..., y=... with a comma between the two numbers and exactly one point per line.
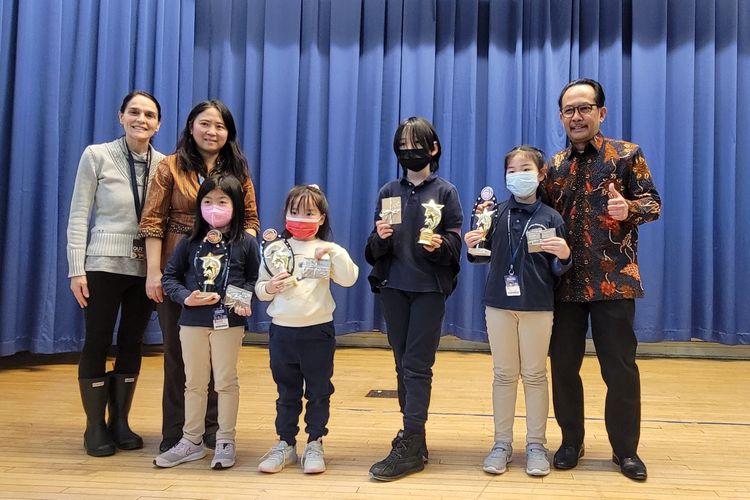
x=126, y=100
x=233, y=188
x=598, y=90
x=231, y=159
x=422, y=133
x=301, y=195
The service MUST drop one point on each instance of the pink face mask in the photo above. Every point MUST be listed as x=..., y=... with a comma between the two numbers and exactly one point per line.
x=302, y=229
x=216, y=215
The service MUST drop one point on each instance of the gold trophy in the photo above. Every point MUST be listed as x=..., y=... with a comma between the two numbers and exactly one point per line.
x=277, y=256
x=211, y=269
x=432, y=216
x=484, y=221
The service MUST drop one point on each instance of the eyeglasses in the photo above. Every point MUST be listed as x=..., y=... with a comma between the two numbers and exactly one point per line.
x=584, y=109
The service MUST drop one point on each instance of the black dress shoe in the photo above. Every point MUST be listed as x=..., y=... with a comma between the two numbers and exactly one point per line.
x=632, y=467
x=210, y=440
x=567, y=456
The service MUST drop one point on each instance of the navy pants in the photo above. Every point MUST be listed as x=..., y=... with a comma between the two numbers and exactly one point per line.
x=110, y=293
x=173, y=394
x=414, y=321
x=615, y=343
x=302, y=363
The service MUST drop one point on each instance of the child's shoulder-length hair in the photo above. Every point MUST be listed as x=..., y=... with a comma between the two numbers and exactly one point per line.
x=305, y=195
x=423, y=134
x=230, y=185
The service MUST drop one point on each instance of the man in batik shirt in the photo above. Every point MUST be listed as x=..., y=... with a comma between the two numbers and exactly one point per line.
x=604, y=191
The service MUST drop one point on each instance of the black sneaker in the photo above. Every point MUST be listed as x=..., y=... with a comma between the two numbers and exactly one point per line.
x=406, y=457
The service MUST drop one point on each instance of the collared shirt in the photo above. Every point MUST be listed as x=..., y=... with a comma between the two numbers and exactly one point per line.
x=536, y=272
x=605, y=251
x=413, y=268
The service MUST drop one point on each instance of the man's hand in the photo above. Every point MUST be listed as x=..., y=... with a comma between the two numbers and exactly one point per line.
x=617, y=206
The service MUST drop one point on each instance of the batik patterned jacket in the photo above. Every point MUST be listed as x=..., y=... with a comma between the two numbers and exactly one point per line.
x=605, y=251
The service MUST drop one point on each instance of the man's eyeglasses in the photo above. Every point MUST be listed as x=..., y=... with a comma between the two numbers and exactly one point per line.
x=584, y=109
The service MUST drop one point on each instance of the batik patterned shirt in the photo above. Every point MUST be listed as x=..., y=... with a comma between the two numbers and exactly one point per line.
x=604, y=250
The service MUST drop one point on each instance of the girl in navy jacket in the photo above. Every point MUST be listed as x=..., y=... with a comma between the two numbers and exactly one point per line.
x=217, y=255
x=528, y=253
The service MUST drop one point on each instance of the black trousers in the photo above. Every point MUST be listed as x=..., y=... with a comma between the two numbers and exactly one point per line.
x=109, y=294
x=414, y=321
x=173, y=395
x=615, y=343
x=302, y=360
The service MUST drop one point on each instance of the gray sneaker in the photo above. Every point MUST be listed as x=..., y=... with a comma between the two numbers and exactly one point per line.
x=278, y=457
x=500, y=456
x=224, y=454
x=312, y=458
x=183, y=451
x=537, y=463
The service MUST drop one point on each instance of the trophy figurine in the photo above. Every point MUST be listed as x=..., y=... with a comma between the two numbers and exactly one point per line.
x=277, y=256
x=432, y=216
x=484, y=220
x=211, y=269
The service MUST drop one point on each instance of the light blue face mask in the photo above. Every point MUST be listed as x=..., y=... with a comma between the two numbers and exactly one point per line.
x=522, y=184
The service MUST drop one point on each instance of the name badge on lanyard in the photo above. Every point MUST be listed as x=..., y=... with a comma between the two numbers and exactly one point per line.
x=138, y=249
x=221, y=318
x=512, y=285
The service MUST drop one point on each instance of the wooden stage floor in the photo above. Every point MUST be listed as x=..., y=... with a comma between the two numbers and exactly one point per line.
x=695, y=436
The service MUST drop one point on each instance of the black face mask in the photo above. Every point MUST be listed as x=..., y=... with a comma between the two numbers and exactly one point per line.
x=414, y=159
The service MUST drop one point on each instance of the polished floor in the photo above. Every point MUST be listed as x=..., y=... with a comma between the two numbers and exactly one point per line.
x=695, y=436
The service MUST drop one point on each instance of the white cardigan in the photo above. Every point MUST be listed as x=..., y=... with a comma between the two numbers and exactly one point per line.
x=103, y=182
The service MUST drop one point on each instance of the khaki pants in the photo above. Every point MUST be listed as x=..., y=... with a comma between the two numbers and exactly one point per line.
x=202, y=350
x=519, y=341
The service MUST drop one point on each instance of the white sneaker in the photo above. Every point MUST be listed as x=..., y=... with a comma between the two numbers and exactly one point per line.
x=277, y=458
x=224, y=454
x=498, y=459
x=312, y=457
x=537, y=463
x=184, y=451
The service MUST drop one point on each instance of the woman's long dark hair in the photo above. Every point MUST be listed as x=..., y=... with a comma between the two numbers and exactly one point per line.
x=231, y=160
x=230, y=185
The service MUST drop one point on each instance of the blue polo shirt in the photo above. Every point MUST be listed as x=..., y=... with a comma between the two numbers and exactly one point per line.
x=412, y=268
x=537, y=272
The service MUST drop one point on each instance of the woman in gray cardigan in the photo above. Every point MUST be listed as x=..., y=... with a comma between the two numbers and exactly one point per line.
x=107, y=270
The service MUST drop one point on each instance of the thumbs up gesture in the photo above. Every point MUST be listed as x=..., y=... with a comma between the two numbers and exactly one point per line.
x=617, y=206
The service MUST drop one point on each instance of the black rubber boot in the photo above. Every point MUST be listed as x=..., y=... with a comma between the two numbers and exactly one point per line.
x=121, y=391
x=405, y=458
x=400, y=436
x=94, y=395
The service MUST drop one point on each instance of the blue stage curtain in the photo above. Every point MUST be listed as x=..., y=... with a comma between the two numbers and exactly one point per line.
x=318, y=88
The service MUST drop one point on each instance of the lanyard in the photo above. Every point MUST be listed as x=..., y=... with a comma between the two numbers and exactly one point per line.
x=138, y=202
x=514, y=253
